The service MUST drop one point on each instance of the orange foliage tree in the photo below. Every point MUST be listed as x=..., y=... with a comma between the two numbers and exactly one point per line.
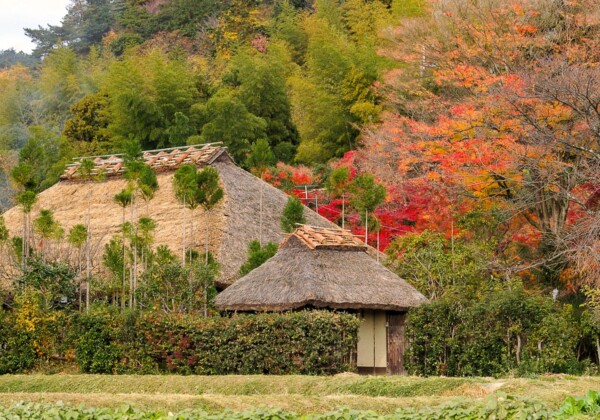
x=498, y=106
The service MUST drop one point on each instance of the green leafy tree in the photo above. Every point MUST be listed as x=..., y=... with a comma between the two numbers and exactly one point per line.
x=227, y=120
x=61, y=82
x=257, y=255
x=150, y=100
x=333, y=97
x=87, y=127
x=337, y=185
x=146, y=229
x=141, y=180
x=204, y=275
x=170, y=286
x=292, y=215
x=261, y=157
x=208, y=195
x=186, y=16
x=4, y=234
x=286, y=26
x=54, y=281
x=148, y=184
x=504, y=329
x=367, y=195
x=48, y=228
x=123, y=199
x=86, y=169
x=436, y=266
x=78, y=237
x=185, y=188
x=260, y=83
x=41, y=153
x=23, y=175
x=4, y=242
x=114, y=261
x=84, y=25
x=26, y=200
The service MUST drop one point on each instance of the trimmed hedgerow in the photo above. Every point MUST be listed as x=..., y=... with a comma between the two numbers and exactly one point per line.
x=506, y=331
x=309, y=342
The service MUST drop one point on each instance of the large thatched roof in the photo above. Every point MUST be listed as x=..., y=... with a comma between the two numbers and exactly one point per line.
x=233, y=223
x=323, y=268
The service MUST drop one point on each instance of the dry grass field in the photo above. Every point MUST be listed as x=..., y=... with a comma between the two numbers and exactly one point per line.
x=301, y=394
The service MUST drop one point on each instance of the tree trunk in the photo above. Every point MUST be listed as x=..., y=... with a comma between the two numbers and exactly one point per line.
x=184, y=229
x=79, y=277
x=191, y=234
x=123, y=249
x=205, y=285
x=87, y=261
x=260, y=215
x=366, y=227
x=24, y=241
x=343, y=210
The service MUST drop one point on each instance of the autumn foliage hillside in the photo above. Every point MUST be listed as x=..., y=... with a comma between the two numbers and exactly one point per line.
x=480, y=119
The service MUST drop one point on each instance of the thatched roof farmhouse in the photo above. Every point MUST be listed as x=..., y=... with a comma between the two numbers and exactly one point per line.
x=321, y=268
x=234, y=222
x=329, y=268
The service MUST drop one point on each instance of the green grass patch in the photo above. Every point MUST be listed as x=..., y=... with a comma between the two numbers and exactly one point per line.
x=405, y=387
x=302, y=395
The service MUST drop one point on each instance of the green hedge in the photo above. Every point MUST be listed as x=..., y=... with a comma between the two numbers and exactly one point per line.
x=106, y=341
x=504, y=332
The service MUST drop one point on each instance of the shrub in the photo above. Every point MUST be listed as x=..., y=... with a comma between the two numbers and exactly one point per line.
x=94, y=344
x=17, y=352
x=504, y=331
x=309, y=342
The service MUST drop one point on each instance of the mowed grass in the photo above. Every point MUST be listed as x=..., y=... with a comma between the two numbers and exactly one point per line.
x=301, y=394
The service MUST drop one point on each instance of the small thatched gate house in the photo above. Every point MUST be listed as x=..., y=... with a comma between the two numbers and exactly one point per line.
x=330, y=268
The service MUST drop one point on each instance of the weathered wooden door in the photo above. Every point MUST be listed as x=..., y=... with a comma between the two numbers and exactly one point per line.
x=395, y=342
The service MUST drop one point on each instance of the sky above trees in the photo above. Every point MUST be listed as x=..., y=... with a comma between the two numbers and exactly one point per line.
x=27, y=14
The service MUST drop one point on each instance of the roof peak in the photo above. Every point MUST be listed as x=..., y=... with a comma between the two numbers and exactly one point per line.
x=316, y=237
x=161, y=160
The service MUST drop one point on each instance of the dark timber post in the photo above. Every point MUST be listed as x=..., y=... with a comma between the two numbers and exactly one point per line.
x=395, y=343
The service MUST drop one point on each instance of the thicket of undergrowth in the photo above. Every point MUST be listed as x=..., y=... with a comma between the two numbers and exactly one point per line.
x=104, y=341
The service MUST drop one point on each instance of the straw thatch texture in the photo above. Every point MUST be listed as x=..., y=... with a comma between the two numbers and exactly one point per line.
x=241, y=216
x=233, y=223
x=69, y=203
x=298, y=276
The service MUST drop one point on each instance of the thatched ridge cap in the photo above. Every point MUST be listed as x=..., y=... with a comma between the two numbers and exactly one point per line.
x=317, y=237
x=161, y=160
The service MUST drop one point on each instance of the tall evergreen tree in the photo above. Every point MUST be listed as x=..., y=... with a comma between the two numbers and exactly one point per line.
x=292, y=215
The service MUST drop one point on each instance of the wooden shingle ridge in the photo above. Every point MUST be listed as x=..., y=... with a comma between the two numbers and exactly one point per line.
x=315, y=237
x=160, y=160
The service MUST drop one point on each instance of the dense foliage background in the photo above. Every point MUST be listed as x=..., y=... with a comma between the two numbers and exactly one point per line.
x=461, y=137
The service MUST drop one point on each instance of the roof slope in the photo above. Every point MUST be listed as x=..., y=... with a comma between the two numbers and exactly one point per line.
x=322, y=275
x=232, y=224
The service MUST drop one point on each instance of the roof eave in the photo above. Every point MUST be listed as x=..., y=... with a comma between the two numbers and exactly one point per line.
x=312, y=303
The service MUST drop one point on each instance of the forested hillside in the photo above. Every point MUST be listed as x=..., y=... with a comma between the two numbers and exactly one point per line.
x=460, y=136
